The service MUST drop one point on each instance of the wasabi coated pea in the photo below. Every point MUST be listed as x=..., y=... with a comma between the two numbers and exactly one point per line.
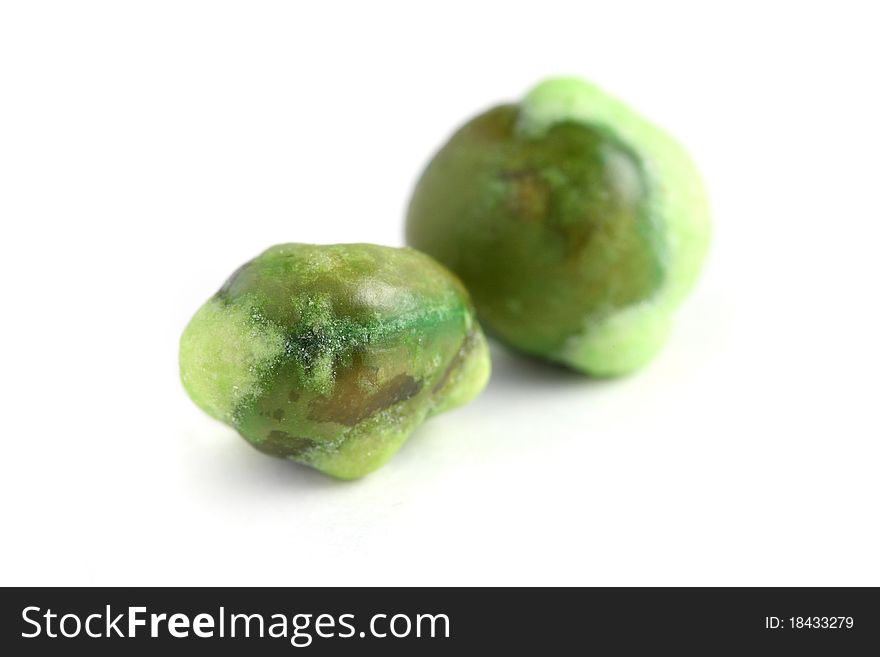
x=332, y=355
x=577, y=226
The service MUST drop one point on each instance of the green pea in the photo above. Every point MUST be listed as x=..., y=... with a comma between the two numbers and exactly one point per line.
x=332, y=355
x=577, y=226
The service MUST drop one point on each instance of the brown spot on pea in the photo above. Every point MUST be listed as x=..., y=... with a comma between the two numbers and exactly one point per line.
x=349, y=403
x=281, y=443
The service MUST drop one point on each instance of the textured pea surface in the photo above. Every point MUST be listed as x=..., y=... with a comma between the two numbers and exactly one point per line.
x=576, y=225
x=332, y=355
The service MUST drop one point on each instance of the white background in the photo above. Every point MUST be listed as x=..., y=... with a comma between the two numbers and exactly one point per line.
x=149, y=148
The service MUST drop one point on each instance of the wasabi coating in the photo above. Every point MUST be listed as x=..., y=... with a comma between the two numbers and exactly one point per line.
x=577, y=226
x=332, y=355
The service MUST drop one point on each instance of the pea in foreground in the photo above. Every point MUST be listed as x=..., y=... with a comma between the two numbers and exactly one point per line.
x=332, y=355
x=577, y=226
